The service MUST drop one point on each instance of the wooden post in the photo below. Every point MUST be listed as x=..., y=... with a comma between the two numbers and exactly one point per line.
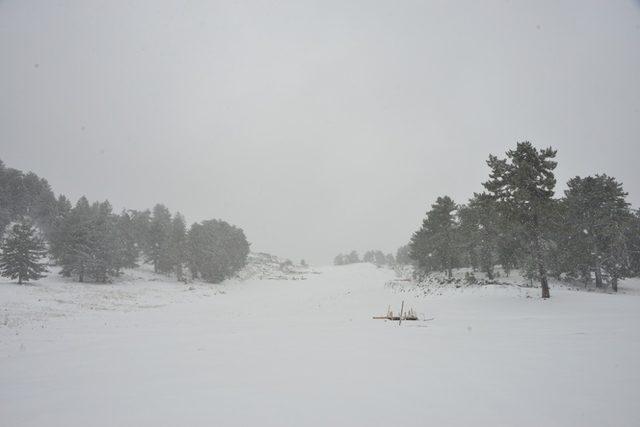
x=401, y=310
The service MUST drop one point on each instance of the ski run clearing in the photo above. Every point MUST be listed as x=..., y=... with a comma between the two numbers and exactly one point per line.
x=273, y=351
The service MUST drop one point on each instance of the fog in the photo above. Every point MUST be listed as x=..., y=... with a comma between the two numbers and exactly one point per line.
x=317, y=127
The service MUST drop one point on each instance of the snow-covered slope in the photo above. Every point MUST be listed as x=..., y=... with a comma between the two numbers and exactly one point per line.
x=270, y=351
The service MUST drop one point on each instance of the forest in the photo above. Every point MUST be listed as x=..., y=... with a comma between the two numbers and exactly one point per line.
x=591, y=234
x=89, y=242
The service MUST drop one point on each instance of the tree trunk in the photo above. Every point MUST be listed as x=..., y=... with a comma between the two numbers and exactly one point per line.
x=542, y=271
x=19, y=279
x=614, y=283
x=543, y=280
x=598, y=272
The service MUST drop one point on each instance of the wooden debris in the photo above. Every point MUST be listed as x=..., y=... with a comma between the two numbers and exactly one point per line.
x=409, y=315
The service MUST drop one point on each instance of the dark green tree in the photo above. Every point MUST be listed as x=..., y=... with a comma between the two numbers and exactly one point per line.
x=597, y=215
x=480, y=223
x=158, y=240
x=523, y=185
x=217, y=250
x=22, y=252
x=178, y=245
x=435, y=245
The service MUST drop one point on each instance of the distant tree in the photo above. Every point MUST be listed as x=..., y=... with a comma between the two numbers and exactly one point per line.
x=303, y=263
x=71, y=244
x=434, y=246
x=339, y=260
x=178, y=245
x=402, y=255
x=368, y=256
x=390, y=260
x=159, y=237
x=92, y=243
x=352, y=258
x=523, y=185
x=141, y=224
x=25, y=195
x=22, y=251
x=127, y=243
x=217, y=250
x=633, y=243
x=379, y=258
x=480, y=232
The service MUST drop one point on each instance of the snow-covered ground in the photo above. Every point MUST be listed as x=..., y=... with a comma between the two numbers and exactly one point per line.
x=148, y=351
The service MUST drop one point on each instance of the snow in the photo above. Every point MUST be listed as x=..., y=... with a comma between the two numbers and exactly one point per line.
x=146, y=351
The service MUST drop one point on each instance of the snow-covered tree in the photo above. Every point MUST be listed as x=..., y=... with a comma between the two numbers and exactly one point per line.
x=402, y=255
x=217, y=250
x=480, y=228
x=178, y=245
x=22, y=253
x=434, y=245
x=597, y=214
x=523, y=185
x=158, y=239
x=92, y=243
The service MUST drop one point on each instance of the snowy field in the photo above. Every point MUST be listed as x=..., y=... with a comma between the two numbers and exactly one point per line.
x=149, y=352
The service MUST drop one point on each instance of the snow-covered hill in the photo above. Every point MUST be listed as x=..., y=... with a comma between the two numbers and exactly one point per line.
x=272, y=351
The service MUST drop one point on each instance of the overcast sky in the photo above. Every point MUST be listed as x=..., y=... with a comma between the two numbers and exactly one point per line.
x=317, y=127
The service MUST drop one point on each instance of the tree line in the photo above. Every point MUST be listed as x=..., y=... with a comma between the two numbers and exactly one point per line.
x=92, y=243
x=589, y=234
x=376, y=257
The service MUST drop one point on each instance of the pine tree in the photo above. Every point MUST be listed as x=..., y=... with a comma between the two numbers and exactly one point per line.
x=523, y=185
x=352, y=258
x=158, y=243
x=178, y=245
x=479, y=227
x=128, y=250
x=435, y=245
x=71, y=244
x=92, y=243
x=597, y=216
x=402, y=255
x=22, y=251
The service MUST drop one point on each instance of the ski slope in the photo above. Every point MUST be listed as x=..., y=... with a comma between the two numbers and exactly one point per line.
x=146, y=351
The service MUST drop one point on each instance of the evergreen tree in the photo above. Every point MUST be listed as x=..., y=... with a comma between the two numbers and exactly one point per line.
x=402, y=255
x=71, y=244
x=141, y=224
x=127, y=243
x=178, y=245
x=93, y=243
x=434, y=246
x=217, y=250
x=597, y=215
x=22, y=250
x=159, y=237
x=523, y=185
x=479, y=227
x=352, y=258
x=633, y=243
x=368, y=257
x=390, y=260
x=339, y=260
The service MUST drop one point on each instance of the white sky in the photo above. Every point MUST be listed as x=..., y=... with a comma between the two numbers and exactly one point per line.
x=317, y=127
